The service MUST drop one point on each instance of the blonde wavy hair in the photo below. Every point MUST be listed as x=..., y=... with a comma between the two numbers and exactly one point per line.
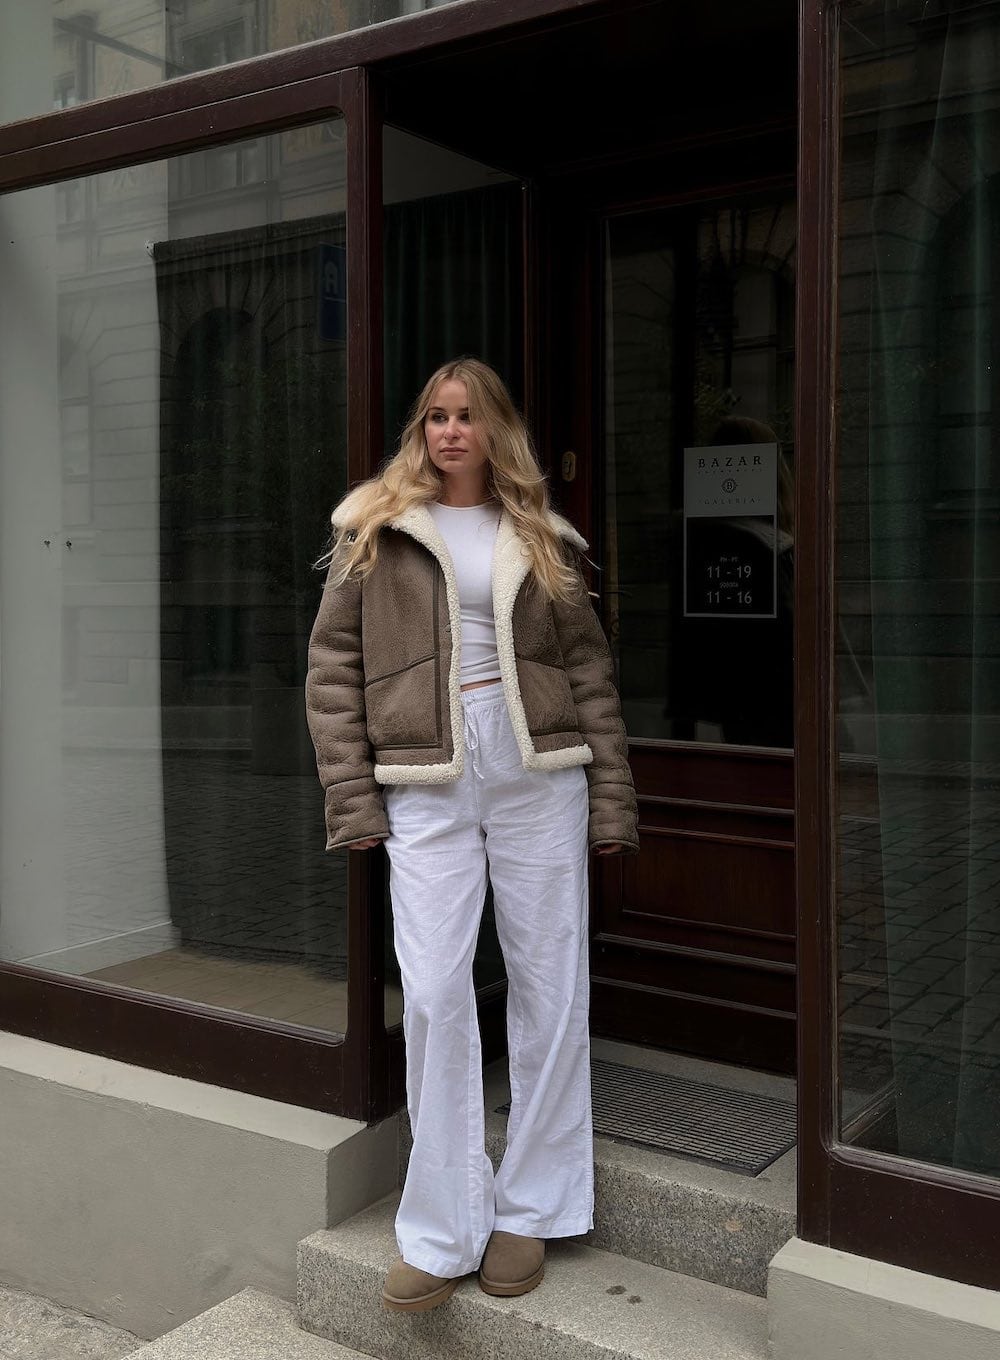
x=513, y=478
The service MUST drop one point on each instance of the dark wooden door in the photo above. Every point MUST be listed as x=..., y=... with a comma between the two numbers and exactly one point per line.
x=669, y=328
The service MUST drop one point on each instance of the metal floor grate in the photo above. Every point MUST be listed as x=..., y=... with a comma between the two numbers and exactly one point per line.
x=740, y=1130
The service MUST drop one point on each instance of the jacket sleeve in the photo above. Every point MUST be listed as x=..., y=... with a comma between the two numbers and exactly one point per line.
x=335, y=710
x=587, y=657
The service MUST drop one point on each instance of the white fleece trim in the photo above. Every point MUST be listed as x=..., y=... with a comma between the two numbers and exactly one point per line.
x=418, y=774
x=344, y=516
x=511, y=564
x=563, y=759
x=565, y=530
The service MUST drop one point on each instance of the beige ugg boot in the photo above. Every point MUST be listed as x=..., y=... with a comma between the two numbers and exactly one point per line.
x=409, y=1290
x=512, y=1264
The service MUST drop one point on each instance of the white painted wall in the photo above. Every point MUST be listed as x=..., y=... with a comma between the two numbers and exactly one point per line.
x=32, y=893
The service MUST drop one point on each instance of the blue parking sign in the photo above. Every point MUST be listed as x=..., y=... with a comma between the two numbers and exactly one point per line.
x=332, y=287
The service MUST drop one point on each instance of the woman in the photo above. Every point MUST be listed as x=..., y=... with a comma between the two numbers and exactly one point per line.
x=461, y=701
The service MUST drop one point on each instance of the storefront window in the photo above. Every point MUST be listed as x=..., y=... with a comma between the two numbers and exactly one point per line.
x=918, y=579
x=172, y=437
x=108, y=47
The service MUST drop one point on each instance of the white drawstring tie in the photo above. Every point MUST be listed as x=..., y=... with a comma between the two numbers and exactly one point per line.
x=471, y=741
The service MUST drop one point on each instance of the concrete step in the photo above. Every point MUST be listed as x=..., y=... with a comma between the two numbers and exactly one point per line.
x=249, y=1326
x=673, y=1212
x=592, y=1305
x=688, y=1216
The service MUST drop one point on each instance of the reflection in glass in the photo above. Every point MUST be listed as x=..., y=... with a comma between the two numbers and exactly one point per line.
x=107, y=47
x=174, y=434
x=918, y=564
x=699, y=311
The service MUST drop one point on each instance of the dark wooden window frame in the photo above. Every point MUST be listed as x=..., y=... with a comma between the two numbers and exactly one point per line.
x=260, y=94
x=926, y=1218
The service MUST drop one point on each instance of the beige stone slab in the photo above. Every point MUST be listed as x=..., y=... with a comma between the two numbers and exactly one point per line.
x=250, y=1326
x=591, y=1306
x=826, y=1304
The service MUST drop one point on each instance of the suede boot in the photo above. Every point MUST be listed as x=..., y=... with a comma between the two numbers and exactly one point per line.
x=512, y=1264
x=409, y=1290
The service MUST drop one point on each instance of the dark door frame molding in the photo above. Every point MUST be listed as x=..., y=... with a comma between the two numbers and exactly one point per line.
x=927, y=1218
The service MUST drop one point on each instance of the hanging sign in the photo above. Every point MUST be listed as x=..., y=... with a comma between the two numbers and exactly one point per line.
x=731, y=532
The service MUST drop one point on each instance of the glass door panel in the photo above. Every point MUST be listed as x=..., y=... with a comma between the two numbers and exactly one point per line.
x=694, y=940
x=697, y=532
x=918, y=570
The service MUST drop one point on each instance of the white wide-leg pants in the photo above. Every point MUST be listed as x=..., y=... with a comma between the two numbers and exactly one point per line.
x=528, y=830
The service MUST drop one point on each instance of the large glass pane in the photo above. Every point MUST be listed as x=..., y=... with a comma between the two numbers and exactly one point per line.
x=172, y=437
x=918, y=568
x=697, y=582
x=453, y=285
x=91, y=49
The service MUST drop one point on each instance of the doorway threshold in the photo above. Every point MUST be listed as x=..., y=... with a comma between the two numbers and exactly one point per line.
x=710, y=1121
x=679, y=1212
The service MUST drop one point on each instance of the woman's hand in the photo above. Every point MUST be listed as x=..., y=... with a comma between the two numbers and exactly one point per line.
x=366, y=844
x=616, y=848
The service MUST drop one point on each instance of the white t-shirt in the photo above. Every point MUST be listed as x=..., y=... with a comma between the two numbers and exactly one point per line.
x=470, y=533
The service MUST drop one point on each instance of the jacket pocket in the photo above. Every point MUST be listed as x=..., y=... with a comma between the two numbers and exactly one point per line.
x=398, y=670
x=547, y=698
x=402, y=708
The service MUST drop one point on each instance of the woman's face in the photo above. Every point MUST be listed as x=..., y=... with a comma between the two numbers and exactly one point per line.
x=453, y=441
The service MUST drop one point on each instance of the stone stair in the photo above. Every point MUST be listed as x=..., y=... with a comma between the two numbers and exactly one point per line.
x=249, y=1326
x=684, y=1216
x=593, y=1305
x=675, y=1213
x=676, y=1266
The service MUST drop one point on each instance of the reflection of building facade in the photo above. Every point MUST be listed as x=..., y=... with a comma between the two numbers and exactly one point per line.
x=106, y=49
x=234, y=245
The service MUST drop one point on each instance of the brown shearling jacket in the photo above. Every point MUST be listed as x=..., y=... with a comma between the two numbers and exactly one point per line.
x=383, y=688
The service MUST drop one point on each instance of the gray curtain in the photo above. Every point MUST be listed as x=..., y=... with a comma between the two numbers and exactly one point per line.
x=453, y=285
x=253, y=449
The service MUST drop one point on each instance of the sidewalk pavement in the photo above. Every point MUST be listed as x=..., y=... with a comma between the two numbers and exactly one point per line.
x=32, y=1328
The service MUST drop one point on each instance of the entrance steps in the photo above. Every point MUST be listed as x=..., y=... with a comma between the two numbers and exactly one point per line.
x=592, y=1305
x=673, y=1212
x=675, y=1265
x=250, y=1326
